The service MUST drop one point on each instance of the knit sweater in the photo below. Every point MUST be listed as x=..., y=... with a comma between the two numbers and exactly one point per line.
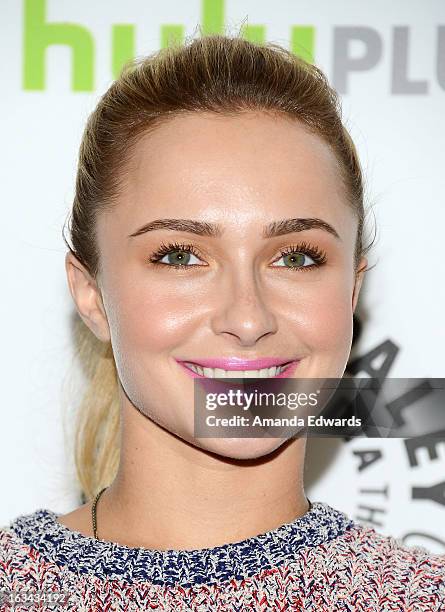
x=322, y=561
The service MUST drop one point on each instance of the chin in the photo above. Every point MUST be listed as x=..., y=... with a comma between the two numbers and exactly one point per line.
x=240, y=448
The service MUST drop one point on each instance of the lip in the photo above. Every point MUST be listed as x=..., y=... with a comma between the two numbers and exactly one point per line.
x=238, y=363
x=241, y=364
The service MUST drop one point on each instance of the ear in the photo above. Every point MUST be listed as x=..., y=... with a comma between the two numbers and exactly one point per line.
x=87, y=297
x=359, y=276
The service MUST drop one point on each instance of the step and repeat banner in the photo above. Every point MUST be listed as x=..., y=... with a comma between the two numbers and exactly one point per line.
x=387, y=61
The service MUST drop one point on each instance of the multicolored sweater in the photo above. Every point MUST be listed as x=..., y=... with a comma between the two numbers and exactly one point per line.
x=323, y=561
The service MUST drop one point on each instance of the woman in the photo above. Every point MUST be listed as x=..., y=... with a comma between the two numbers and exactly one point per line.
x=217, y=230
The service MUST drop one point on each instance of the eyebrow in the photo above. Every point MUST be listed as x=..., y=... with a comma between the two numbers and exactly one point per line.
x=203, y=228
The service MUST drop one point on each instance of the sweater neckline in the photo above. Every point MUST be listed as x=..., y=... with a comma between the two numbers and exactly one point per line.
x=107, y=560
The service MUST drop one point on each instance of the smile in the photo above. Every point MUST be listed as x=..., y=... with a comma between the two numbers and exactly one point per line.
x=235, y=369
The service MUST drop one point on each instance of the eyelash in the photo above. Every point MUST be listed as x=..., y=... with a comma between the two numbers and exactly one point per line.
x=305, y=248
x=314, y=252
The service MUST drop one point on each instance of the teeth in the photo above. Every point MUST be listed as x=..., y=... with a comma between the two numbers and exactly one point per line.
x=220, y=373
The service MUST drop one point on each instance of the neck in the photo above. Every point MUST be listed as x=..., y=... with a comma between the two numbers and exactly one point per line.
x=169, y=494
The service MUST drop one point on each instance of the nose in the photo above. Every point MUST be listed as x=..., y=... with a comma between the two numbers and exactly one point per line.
x=242, y=313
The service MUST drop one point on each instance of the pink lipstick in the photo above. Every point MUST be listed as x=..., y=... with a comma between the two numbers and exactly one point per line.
x=238, y=364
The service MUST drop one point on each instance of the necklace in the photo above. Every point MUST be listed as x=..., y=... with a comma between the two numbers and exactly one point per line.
x=93, y=513
x=96, y=499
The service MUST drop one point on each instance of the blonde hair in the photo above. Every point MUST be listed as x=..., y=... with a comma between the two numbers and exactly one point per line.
x=214, y=73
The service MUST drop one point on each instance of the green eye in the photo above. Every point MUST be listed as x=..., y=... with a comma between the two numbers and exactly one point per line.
x=178, y=258
x=294, y=257
x=294, y=260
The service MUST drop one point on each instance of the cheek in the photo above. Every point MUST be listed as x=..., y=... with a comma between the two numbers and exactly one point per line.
x=152, y=318
x=146, y=327
x=321, y=314
x=332, y=318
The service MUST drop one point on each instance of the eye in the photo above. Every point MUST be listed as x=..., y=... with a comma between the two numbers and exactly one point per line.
x=296, y=257
x=179, y=258
x=294, y=260
x=176, y=256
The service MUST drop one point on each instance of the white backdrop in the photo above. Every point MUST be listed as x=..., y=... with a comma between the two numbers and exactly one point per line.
x=388, y=62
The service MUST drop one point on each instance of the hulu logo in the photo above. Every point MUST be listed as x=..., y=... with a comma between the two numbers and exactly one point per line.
x=39, y=35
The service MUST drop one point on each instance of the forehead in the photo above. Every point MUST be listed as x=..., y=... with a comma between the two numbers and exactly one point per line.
x=247, y=168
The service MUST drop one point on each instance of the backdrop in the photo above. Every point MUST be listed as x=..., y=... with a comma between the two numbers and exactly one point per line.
x=387, y=60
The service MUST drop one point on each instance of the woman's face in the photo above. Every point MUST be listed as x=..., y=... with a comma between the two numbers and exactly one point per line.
x=235, y=295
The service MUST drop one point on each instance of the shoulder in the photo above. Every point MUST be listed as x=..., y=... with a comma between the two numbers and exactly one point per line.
x=8, y=540
x=385, y=564
x=369, y=545
x=17, y=557
x=25, y=568
x=368, y=541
